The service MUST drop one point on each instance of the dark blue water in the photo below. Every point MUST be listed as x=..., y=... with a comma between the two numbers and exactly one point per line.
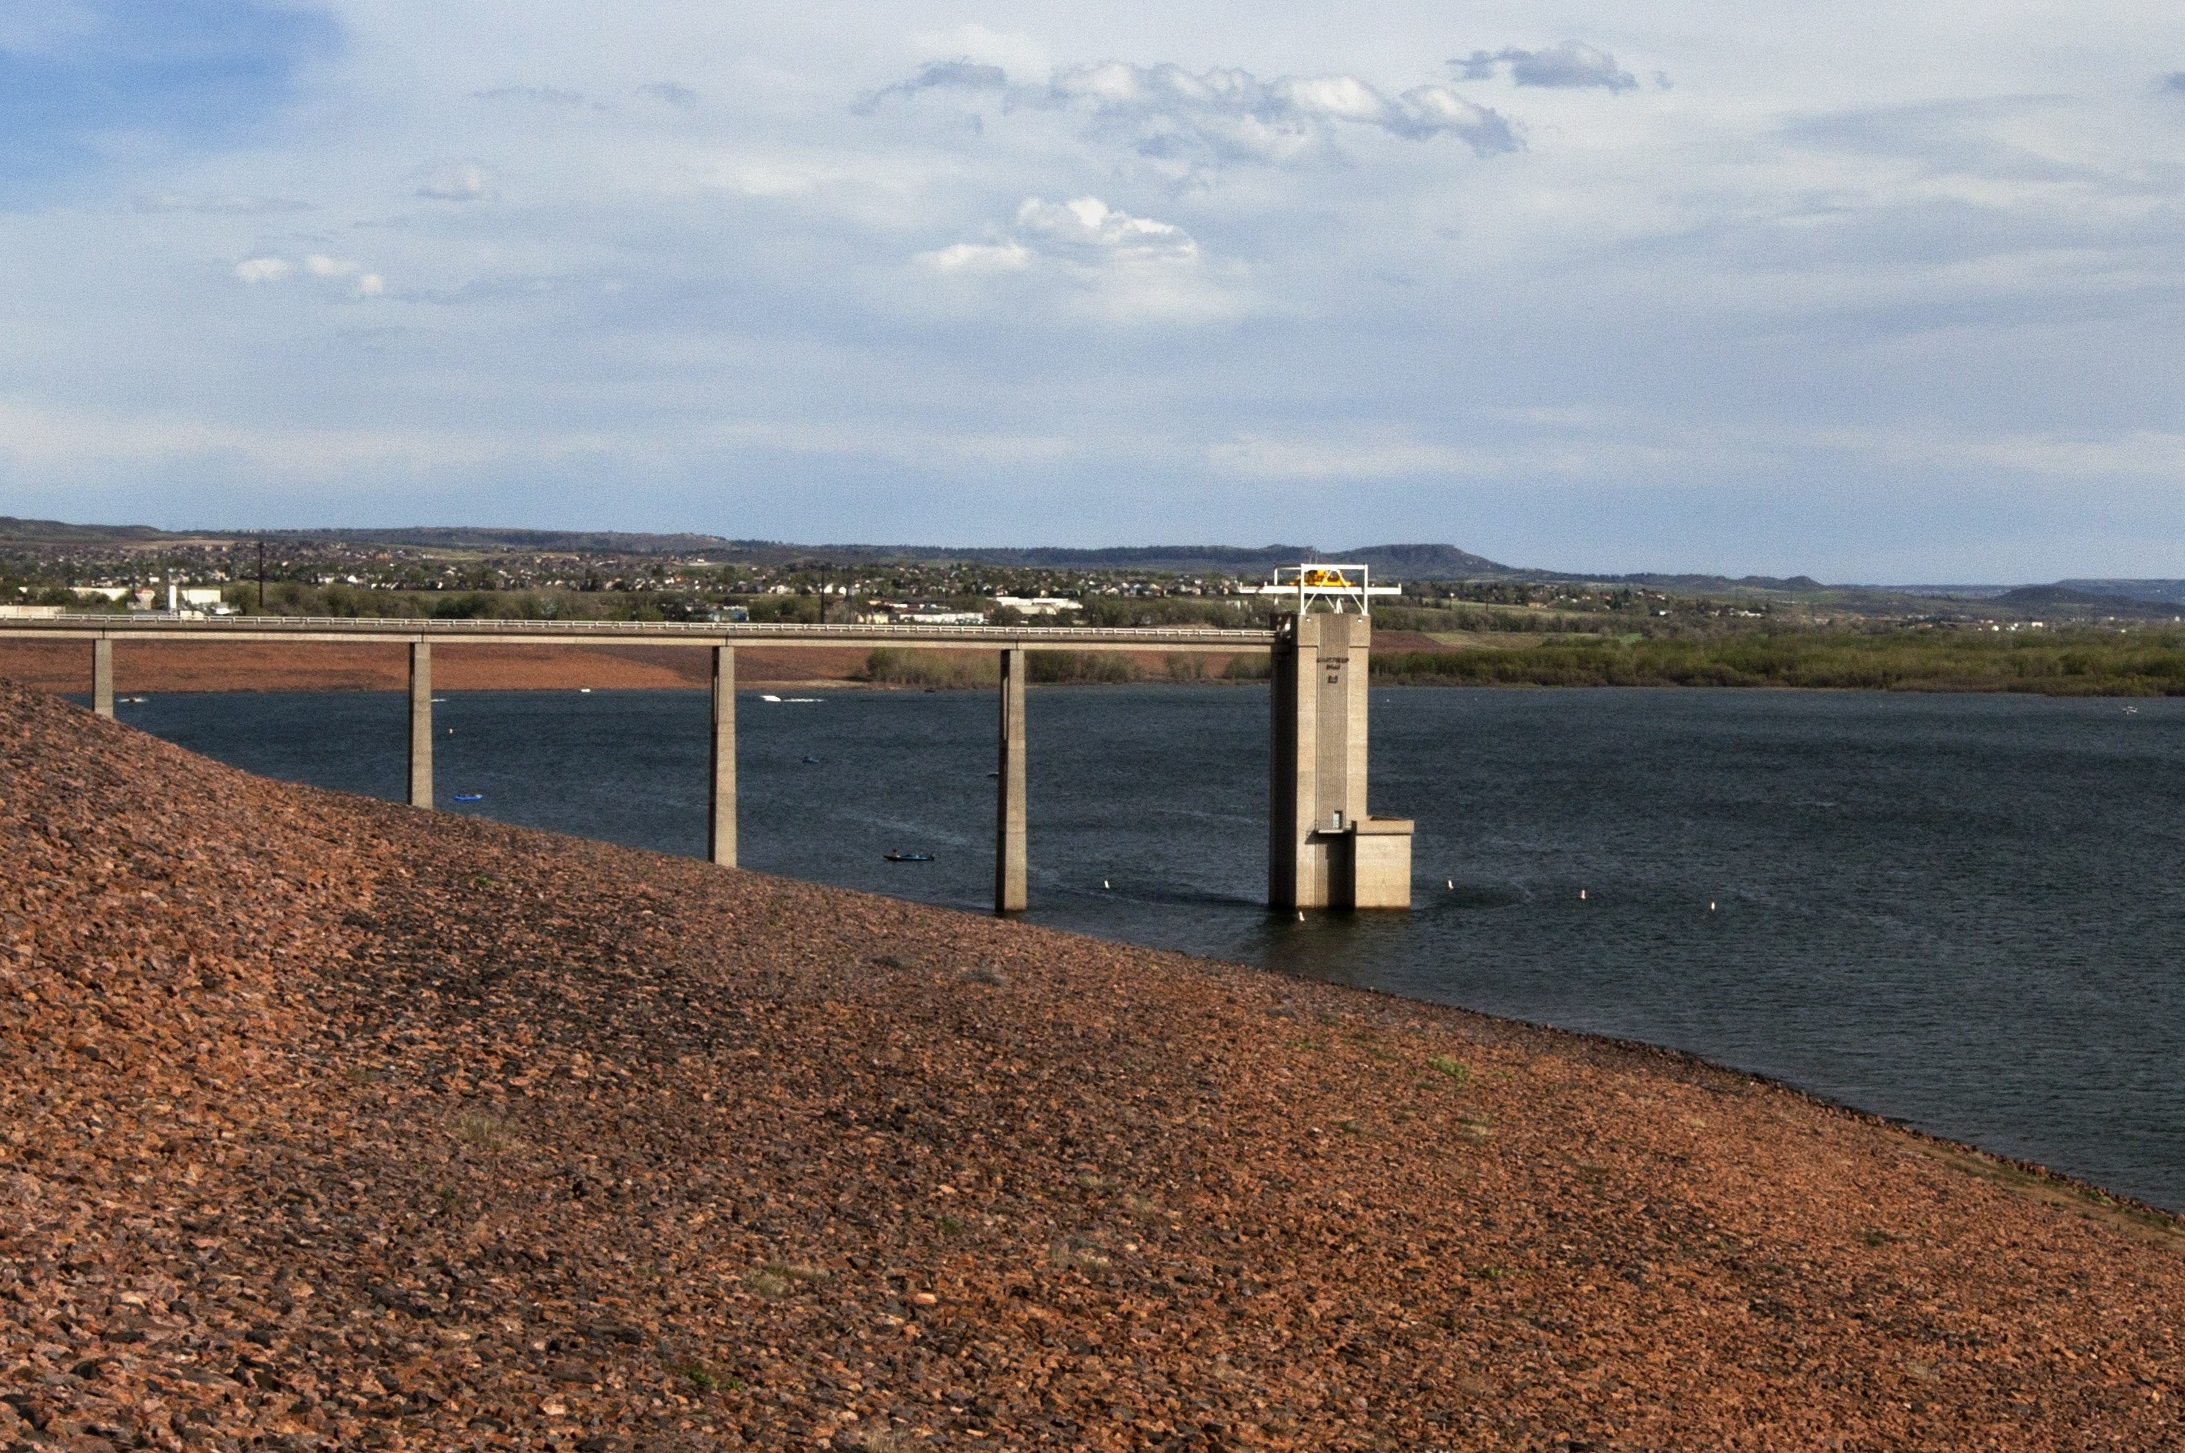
x=1964, y=911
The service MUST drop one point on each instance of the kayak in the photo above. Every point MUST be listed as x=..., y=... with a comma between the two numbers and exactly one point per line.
x=909, y=857
x=470, y=797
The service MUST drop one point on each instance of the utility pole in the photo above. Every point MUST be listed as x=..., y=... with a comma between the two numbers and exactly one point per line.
x=261, y=575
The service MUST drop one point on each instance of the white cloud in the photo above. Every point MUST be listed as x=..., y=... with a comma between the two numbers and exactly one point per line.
x=1101, y=263
x=1090, y=230
x=318, y=265
x=1169, y=114
x=975, y=257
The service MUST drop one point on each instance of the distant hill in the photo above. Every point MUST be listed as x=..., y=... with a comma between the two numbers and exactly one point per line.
x=2169, y=591
x=57, y=532
x=2081, y=602
x=1722, y=582
x=465, y=537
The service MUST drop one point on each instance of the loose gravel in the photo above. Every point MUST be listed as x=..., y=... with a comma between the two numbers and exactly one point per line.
x=329, y=1123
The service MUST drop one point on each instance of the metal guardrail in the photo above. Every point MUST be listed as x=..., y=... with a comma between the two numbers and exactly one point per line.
x=697, y=632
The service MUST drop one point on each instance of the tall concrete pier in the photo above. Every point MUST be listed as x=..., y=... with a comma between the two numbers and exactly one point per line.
x=1012, y=888
x=721, y=798
x=102, y=677
x=420, y=723
x=1324, y=849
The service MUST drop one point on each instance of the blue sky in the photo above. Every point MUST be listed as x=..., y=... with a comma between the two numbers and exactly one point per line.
x=1890, y=292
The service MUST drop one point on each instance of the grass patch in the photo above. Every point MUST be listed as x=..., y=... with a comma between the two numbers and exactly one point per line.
x=2069, y=662
x=481, y=1131
x=1457, y=1071
x=898, y=666
x=702, y=1377
x=780, y=1278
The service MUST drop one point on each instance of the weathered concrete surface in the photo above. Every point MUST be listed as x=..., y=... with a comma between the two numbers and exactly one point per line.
x=421, y=724
x=1012, y=890
x=1318, y=762
x=721, y=794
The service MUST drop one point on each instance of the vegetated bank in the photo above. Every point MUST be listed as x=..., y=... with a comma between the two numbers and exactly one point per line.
x=2055, y=663
x=325, y=1122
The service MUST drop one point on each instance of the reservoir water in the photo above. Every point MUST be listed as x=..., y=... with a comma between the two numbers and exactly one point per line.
x=1965, y=912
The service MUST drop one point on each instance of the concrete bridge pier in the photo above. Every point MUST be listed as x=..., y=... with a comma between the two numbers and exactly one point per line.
x=421, y=724
x=1011, y=888
x=1324, y=849
x=102, y=677
x=721, y=796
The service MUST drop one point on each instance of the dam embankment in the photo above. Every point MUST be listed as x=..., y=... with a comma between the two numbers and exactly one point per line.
x=334, y=1122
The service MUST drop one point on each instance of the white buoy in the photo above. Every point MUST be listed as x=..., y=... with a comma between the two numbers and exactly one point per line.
x=1103, y=882
x=1710, y=905
x=1300, y=915
x=1452, y=885
x=1581, y=895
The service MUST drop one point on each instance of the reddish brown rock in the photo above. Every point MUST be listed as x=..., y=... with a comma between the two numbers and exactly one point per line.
x=328, y=1123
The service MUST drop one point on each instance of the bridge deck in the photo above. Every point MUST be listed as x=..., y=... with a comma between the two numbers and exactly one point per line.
x=652, y=633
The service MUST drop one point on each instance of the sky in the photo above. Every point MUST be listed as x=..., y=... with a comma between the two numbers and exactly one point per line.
x=1887, y=293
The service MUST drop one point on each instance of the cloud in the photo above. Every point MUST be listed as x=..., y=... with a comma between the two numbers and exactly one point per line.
x=318, y=265
x=1571, y=64
x=1167, y=113
x=1086, y=232
x=456, y=181
x=956, y=75
x=535, y=95
x=221, y=206
x=671, y=93
x=1089, y=230
x=1095, y=261
x=1231, y=115
x=977, y=257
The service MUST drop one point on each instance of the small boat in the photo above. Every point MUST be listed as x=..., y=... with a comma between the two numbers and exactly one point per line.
x=908, y=857
x=811, y=761
x=768, y=696
x=584, y=691
x=470, y=797
x=803, y=700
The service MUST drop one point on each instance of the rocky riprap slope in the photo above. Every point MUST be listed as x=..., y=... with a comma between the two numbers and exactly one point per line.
x=324, y=1122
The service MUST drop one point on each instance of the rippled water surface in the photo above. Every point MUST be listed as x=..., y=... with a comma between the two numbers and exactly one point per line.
x=1964, y=911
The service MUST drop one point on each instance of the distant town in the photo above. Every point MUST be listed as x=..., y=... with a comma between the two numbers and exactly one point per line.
x=48, y=568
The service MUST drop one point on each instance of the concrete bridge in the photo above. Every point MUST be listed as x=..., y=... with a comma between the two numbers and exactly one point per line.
x=1324, y=849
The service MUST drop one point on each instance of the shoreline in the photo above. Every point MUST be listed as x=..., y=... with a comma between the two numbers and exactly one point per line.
x=341, y=1123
